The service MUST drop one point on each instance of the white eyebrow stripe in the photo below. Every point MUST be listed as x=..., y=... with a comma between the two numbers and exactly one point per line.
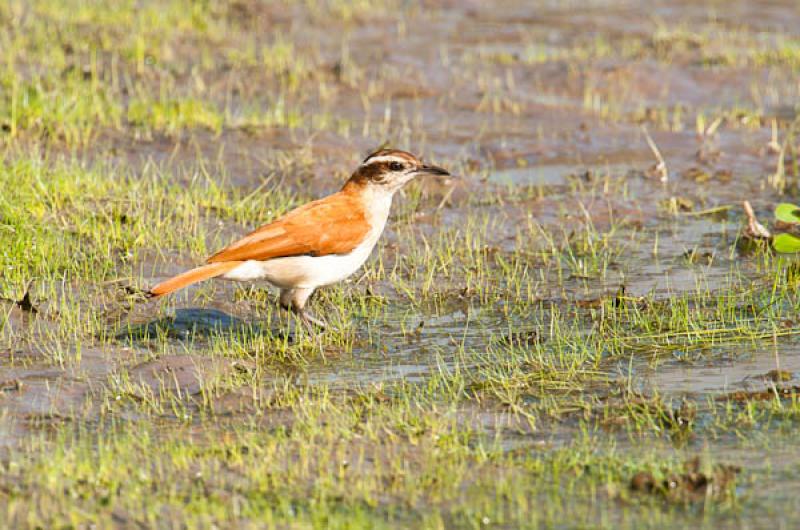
x=385, y=158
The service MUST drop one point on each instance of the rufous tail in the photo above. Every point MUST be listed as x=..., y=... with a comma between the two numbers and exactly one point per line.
x=198, y=274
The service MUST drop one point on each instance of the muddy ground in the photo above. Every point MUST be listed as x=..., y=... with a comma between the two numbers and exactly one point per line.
x=572, y=333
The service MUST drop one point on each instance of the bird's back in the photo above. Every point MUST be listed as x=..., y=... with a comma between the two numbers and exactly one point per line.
x=334, y=225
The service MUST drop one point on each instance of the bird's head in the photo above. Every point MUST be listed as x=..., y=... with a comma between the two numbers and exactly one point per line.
x=389, y=169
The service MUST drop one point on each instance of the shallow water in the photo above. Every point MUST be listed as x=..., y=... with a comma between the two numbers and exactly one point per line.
x=543, y=113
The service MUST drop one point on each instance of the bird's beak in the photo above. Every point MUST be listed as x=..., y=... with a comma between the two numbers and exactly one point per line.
x=433, y=170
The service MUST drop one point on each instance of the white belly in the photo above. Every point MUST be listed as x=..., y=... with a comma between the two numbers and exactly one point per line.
x=304, y=272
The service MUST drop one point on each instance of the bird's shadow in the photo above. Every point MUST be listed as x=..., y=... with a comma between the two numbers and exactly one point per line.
x=192, y=323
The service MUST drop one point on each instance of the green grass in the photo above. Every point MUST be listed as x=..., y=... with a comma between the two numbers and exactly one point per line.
x=489, y=366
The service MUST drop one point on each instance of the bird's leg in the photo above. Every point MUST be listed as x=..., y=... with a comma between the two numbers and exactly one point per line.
x=294, y=300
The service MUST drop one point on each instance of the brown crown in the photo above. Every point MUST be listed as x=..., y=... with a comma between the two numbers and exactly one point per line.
x=393, y=152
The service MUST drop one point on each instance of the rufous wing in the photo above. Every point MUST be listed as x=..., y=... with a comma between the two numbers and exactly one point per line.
x=334, y=225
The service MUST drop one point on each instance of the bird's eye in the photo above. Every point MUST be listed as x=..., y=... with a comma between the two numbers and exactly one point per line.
x=396, y=166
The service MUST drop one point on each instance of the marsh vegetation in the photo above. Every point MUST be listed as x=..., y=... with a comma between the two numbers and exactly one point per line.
x=576, y=334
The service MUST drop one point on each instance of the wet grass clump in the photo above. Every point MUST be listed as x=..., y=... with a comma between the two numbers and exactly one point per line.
x=577, y=333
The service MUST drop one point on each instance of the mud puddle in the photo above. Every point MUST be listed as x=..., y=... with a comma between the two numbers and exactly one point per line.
x=543, y=114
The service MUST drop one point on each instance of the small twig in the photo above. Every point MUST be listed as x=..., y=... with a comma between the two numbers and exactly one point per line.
x=773, y=146
x=704, y=132
x=713, y=127
x=709, y=211
x=754, y=230
x=446, y=198
x=661, y=167
x=778, y=179
x=26, y=304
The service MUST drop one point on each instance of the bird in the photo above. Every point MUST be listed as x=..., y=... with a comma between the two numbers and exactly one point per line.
x=319, y=243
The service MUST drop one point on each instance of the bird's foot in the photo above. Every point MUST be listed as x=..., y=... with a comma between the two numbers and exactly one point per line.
x=309, y=321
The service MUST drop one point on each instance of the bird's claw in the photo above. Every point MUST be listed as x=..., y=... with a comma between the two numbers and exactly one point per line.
x=309, y=321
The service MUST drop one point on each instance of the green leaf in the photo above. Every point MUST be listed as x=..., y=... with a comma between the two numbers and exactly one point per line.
x=787, y=212
x=786, y=243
